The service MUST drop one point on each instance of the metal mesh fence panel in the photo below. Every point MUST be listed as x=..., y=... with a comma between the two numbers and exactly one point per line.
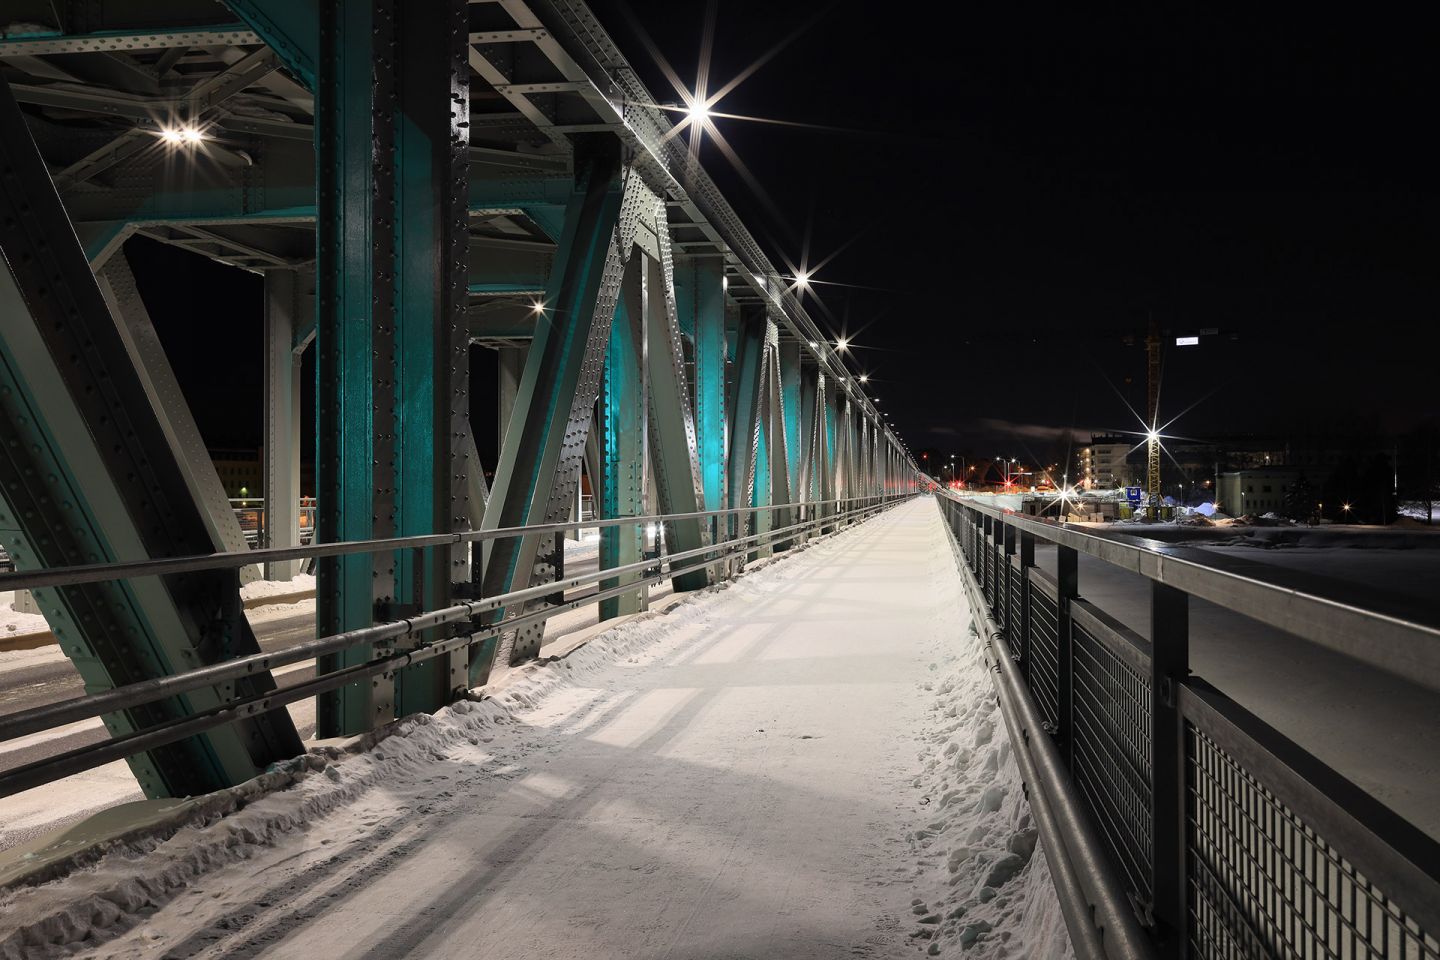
x=1016, y=617
x=1264, y=884
x=1044, y=655
x=1111, y=750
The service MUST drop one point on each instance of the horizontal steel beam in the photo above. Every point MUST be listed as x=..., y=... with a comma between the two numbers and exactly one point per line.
x=114, y=41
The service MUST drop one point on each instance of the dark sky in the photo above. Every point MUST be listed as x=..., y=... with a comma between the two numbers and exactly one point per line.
x=1024, y=187
x=1035, y=184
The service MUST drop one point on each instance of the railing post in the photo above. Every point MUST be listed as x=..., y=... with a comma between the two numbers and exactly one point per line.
x=1169, y=668
x=1067, y=579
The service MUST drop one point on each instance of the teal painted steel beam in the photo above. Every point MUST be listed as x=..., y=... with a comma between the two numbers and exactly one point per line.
x=432, y=371
x=700, y=300
x=623, y=411
x=392, y=347
x=539, y=470
x=89, y=476
x=810, y=409
x=354, y=341
x=745, y=414
x=788, y=430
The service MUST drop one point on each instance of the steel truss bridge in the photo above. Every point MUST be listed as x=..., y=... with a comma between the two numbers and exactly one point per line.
x=412, y=179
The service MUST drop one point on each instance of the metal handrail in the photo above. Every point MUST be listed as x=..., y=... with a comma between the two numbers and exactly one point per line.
x=50, y=716
x=124, y=569
x=1383, y=640
x=1375, y=868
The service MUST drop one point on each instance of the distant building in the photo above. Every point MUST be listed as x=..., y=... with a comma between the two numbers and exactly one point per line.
x=241, y=472
x=1103, y=464
x=1257, y=491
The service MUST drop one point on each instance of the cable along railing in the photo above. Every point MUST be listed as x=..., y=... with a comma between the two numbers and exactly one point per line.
x=1227, y=839
x=469, y=622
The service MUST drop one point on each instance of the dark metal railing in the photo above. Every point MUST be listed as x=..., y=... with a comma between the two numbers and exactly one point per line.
x=468, y=619
x=1217, y=835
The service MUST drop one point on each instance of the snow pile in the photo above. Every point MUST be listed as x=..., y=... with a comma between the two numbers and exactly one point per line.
x=301, y=583
x=982, y=883
x=14, y=624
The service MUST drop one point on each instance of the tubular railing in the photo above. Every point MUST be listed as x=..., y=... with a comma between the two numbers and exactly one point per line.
x=1216, y=834
x=468, y=622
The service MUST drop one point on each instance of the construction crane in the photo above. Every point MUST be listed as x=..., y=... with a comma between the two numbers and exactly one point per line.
x=1152, y=421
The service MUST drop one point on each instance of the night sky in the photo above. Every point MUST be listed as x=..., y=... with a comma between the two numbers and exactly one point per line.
x=1015, y=190
x=1036, y=184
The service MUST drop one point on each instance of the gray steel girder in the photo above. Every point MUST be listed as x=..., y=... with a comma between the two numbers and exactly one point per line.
x=539, y=468
x=89, y=476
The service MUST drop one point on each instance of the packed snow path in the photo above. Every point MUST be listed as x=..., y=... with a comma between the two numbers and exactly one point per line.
x=804, y=764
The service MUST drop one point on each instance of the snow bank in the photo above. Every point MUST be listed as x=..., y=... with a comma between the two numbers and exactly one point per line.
x=18, y=624
x=981, y=881
x=257, y=589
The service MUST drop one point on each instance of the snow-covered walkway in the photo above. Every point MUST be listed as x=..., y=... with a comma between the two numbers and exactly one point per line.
x=804, y=764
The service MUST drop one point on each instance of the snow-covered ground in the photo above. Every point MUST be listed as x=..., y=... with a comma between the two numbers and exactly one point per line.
x=13, y=623
x=586, y=548
x=257, y=589
x=805, y=763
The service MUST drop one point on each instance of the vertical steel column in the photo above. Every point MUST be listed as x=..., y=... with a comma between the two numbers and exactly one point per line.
x=88, y=475
x=810, y=440
x=282, y=419
x=769, y=455
x=354, y=339
x=700, y=296
x=1067, y=579
x=830, y=465
x=1169, y=668
x=788, y=368
x=745, y=415
x=432, y=344
x=623, y=409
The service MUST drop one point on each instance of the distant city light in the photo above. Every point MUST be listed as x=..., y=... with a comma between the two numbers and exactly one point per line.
x=1187, y=341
